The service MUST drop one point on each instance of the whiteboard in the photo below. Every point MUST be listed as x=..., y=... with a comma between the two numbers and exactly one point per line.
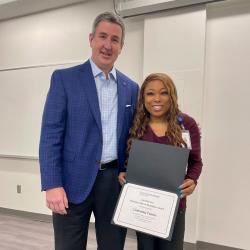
x=22, y=96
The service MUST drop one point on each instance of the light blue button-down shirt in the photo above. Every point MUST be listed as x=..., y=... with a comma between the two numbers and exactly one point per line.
x=108, y=103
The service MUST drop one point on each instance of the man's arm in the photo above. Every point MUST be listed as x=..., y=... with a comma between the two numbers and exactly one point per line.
x=51, y=145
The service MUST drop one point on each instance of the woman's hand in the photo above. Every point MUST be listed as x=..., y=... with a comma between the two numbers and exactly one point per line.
x=122, y=178
x=187, y=187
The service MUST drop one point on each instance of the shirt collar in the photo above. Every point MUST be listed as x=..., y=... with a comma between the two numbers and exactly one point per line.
x=97, y=71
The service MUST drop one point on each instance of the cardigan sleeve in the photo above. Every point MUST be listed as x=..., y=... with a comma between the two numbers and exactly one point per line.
x=194, y=161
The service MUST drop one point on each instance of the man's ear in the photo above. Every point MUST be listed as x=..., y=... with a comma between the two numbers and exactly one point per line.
x=91, y=35
x=122, y=43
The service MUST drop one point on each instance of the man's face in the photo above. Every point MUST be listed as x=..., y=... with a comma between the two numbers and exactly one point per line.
x=106, y=44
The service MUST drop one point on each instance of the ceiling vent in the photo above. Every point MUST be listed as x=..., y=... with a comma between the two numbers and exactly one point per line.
x=127, y=8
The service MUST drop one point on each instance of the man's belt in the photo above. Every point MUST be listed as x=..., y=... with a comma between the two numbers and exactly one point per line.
x=110, y=164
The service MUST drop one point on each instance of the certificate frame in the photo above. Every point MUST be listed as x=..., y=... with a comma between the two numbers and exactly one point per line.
x=154, y=166
x=147, y=210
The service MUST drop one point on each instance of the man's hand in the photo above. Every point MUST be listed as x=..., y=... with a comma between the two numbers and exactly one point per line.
x=122, y=178
x=57, y=200
x=187, y=187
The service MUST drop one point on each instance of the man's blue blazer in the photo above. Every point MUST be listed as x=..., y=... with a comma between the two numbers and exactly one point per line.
x=71, y=134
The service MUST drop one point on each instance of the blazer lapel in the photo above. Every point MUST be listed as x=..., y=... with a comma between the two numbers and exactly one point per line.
x=89, y=86
x=121, y=91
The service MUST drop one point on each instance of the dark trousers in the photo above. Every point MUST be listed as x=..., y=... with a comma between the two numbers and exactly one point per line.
x=148, y=242
x=71, y=230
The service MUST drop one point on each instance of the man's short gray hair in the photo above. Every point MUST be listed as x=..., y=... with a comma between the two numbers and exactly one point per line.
x=109, y=17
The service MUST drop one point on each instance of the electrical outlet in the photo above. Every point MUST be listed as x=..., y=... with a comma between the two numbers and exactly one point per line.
x=19, y=189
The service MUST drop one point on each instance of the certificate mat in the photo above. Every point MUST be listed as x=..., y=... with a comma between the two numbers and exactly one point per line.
x=145, y=209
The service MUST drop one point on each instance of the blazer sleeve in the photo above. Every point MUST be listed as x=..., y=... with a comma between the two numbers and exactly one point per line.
x=52, y=134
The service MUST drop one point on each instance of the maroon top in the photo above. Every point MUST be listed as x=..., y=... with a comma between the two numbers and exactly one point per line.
x=194, y=159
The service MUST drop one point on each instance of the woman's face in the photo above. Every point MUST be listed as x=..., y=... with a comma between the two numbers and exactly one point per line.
x=156, y=99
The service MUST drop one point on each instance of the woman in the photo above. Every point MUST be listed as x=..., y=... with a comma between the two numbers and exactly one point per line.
x=158, y=119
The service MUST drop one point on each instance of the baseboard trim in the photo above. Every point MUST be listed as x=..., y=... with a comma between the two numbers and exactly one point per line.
x=202, y=245
x=28, y=215
x=189, y=246
x=210, y=246
x=48, y=218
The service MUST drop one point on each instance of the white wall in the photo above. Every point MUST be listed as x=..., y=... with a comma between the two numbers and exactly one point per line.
x=174, y=43
x=224, y=204
x=205, y=50
x=52, y=37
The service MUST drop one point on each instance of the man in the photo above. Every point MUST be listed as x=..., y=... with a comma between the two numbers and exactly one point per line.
x=87, y=116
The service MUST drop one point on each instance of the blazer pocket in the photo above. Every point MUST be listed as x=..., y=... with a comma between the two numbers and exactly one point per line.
x=68, y=155
x=129, y=109
x=128, y=116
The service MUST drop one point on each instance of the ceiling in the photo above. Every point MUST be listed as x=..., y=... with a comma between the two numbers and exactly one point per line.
x=15, y=8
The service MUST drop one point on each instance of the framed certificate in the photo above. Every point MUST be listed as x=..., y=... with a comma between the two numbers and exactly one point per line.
x=149, y=201
x=147, y=210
